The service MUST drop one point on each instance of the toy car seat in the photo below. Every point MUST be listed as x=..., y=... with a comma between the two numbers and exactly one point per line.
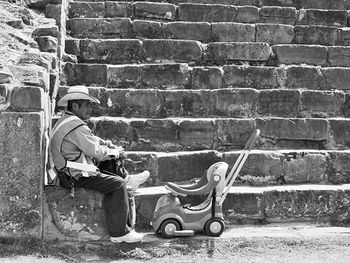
x=214, y=177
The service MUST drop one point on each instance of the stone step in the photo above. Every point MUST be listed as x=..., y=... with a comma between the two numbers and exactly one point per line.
x=82, y=217
x=183, y=76
x=262, y=168
x=126, y=51
x=209, y=13
x=299, y=4
x=176, y=134
x=125, y=28
x=231, y=102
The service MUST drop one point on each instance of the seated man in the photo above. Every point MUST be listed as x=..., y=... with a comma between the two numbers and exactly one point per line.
x=75, y=150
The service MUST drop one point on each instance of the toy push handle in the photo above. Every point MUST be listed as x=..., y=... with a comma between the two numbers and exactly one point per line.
x=239, y=163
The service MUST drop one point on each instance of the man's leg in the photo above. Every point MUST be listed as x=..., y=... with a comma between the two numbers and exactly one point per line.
x=115, y=202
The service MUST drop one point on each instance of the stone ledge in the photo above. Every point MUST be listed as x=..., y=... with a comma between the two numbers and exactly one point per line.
x=299, y=4
x=81, y=217
x=183, y=76
x=204, y=103
x=206, y=32
x=198, y=12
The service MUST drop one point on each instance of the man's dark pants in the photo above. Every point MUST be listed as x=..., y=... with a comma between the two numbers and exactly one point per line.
x=115, y=202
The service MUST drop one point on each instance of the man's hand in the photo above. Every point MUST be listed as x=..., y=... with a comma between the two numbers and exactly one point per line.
x=121, y=151
x=117, y=152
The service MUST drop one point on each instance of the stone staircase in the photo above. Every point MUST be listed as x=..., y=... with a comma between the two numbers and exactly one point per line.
x=183, y=84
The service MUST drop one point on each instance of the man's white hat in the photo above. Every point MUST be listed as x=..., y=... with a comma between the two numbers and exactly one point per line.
x=77, y=93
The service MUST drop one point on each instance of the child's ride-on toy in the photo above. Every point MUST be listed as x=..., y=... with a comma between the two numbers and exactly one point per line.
x=171, y=219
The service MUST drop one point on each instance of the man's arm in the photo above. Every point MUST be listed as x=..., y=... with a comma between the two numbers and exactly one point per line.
x=90, y=144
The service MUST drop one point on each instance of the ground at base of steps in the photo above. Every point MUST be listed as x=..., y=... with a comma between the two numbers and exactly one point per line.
x=297, y=242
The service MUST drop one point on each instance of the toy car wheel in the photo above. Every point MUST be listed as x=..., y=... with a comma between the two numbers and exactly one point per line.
x=214, y=227
x=168, y=228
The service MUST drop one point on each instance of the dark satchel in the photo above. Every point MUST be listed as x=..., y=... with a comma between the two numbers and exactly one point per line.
x=113, y=167
x=65, y=180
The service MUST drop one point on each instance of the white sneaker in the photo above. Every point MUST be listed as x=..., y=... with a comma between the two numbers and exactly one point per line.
x=135, y=180
x=131, y=237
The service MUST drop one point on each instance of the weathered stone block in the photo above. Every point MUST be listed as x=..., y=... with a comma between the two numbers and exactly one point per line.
x=172, y=50
x=31, y=75
x=322, y=103
x=166, y=76
x=197, y=134
x=260, y=169
x=278, y=15
x=340, y=129
x=155, y=10
x=233, y=133
x=47, y=44
x=72, y=46
x=87, y=9
x=36, y=59
x=186, y=103
x=339, y=56
x=119, y=9
x=155, y=135
x=147, y=29
x=46, y=31
x=78, y=218
x=297, y=54
x=240, y=206
x=250, y=77
x=100, y=28
x=117, y=130
x=40, y=4
x=207, y=13
x=124, y=76
x=85, y=74
x=317, y=35
x=183, y=167
x=281, y=103
x=55, y=12
x=226, y=51
x=293, y=129
x=21, y=164
x=111, y=51
x=339, y=168
x=247, y=14
x=232, y=32
x=274, y=33
x=304, y=77
x=344, y=36
x=207, y=78
x=306, y=205
x=305, y=168
x=128, y=102
x=235, y=102
x=323, y=17
x=337, y=77
x=319, y=4
x=287, y=3
x=199, y=31
x=28, y=99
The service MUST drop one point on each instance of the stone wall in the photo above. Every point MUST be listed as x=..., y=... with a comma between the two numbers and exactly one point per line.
x=30, y=51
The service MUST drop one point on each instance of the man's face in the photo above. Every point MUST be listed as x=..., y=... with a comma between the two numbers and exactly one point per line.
x=84, y=110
